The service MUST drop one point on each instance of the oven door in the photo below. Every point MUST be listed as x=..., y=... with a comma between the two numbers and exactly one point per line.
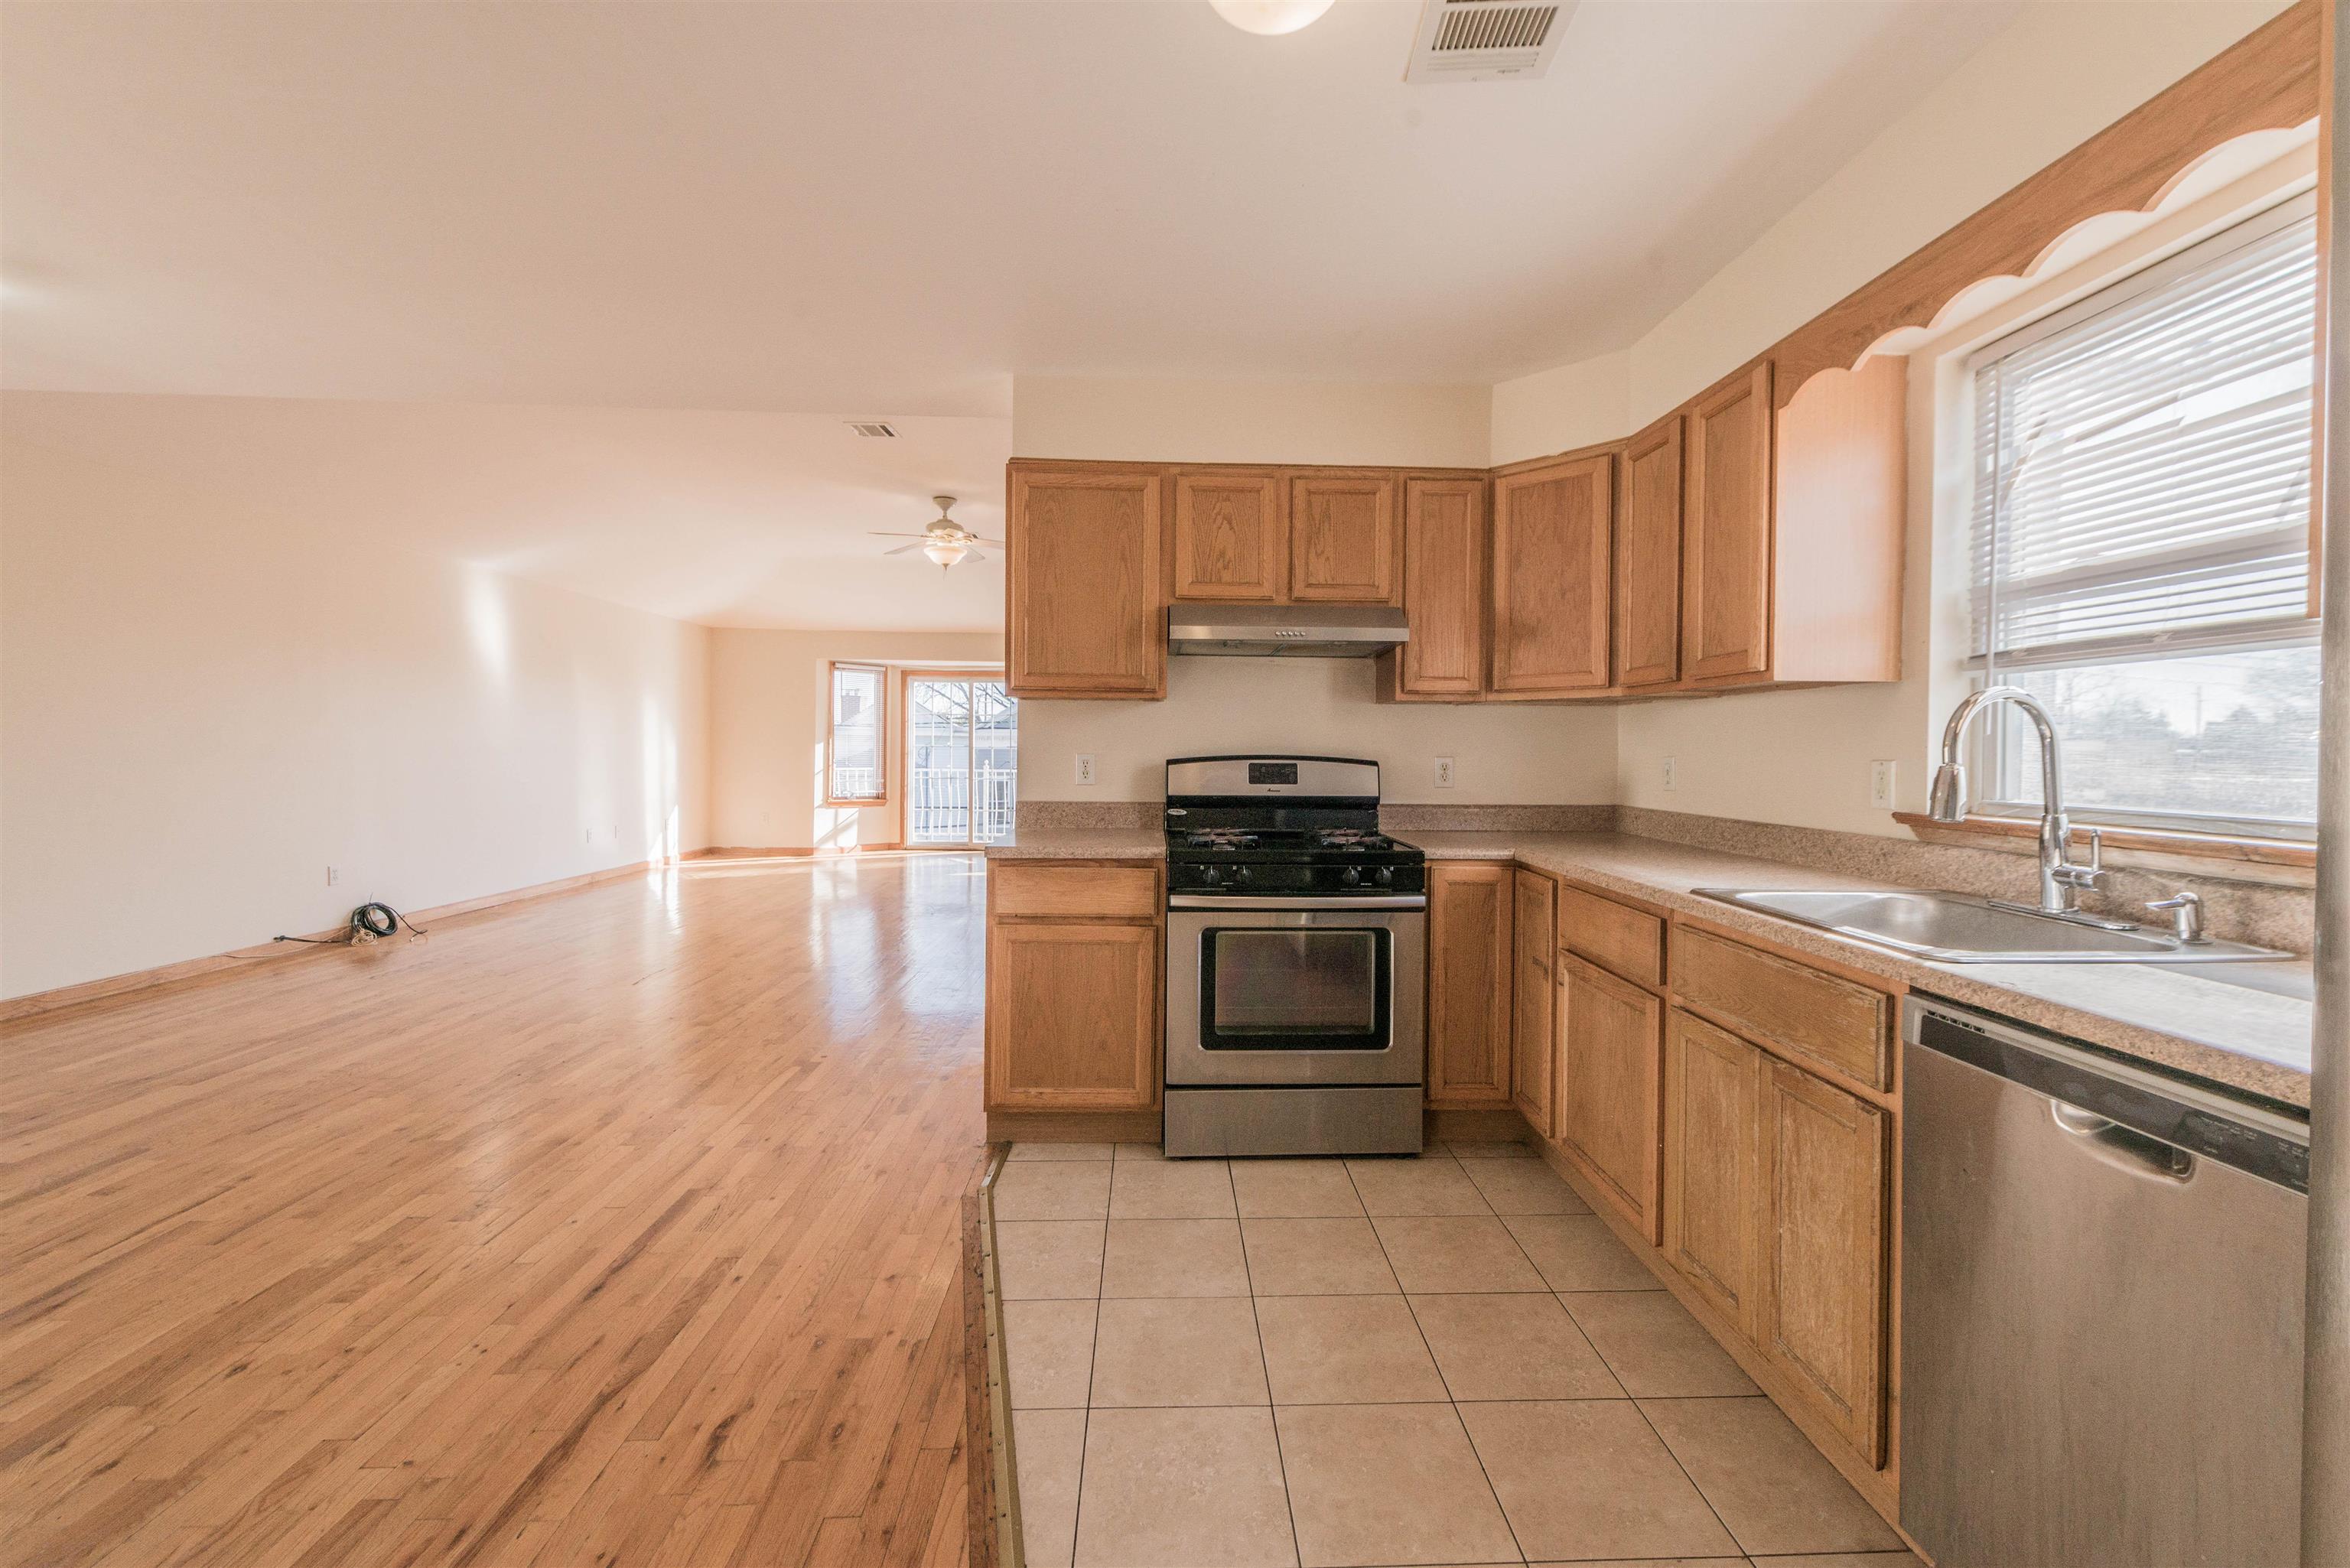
x=1305, y=991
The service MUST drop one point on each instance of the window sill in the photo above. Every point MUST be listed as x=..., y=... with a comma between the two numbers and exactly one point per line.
x=830, y=805
x=2273, y=860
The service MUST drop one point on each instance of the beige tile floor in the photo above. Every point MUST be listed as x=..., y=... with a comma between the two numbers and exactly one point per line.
x=1366, y=1364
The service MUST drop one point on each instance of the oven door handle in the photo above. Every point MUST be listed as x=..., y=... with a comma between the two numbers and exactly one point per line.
x=1278, y=902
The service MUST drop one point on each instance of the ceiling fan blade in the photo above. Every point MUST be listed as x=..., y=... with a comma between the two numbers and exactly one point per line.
x=997, y=543
x=887, y=533
x=901, y=549
x=971, y=554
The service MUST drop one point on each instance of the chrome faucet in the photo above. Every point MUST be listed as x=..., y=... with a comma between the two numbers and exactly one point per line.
x=2061, y=879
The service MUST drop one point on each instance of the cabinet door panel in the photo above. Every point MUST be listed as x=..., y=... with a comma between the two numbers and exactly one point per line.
x=1534, y=1044
x=1443, y=588
x=1713, y=1197
x=1648, y=558
x=1470, y=954
x=1342, y=537
x=1073, y=1016
x=1230, y=544
x=1608, y=1099
x=1823, y=1169
x=1083, y=583
x=1726, y=544
x=1552, y=538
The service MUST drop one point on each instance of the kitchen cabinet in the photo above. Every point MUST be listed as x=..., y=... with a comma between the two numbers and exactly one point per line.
x=1470, y=958
x=1342, y=537
x=1726, y=543
x=1532, y=1045
x=1230, y=535
x=1712, y=1189
x=1610, y=1058
x=1084, y=575
x=1553, y=539
x=1823, y=1157
x=1443, y=594
x=1821, y=1019
x=1073, y=1012
x=1648, y=558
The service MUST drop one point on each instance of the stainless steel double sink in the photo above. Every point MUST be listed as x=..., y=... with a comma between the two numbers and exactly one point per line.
x=1954, y=928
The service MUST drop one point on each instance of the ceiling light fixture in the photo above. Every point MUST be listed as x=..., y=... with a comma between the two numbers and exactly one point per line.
x=1269, y=18
x=945, y=551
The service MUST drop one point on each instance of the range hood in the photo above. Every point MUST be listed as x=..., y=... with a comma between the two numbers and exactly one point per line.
x=1286, y=631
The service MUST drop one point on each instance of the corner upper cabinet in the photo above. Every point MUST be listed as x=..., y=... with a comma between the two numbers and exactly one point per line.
x=1230, y=535
x=1443, y=594
x=1342, y=537
x=1648, y=558
x=1083, y=581
x=1726, y=559
x=1553, y=539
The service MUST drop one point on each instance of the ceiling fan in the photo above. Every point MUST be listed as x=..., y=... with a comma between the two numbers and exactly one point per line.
x=945, y=541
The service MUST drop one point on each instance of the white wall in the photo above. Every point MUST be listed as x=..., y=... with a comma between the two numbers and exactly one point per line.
x=1142, y=420
x=768, y=696
x=204, y=705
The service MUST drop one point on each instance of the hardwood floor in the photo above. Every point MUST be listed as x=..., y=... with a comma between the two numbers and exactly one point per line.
x=619, y=1228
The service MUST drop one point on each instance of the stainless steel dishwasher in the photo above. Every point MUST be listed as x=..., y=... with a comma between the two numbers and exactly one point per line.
x=2101, y=1308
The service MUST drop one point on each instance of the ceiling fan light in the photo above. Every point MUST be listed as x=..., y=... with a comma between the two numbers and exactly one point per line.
x=945, y=551
x=1269, y=18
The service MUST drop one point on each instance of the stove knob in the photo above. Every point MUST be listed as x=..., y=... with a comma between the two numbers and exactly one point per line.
x=1350, y=877
x=1385, y=876
x=1212, y=875
x=1240, y=874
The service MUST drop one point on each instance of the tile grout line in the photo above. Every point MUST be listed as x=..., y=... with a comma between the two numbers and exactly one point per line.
x=1264, y=1364
x=1086, y=1424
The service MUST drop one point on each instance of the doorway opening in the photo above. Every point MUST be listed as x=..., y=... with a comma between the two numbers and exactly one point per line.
x=961, y=757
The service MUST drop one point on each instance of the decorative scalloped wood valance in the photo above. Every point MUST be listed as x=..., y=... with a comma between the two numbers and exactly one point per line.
x=2266, y=81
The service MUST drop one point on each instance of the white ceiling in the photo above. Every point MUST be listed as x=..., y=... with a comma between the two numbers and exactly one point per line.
x=883, y=208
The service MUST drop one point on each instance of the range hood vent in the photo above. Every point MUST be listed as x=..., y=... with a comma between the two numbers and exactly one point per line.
x=1286, y=631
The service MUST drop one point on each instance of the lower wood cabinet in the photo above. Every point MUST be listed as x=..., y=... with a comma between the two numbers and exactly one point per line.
x=1469, y=905
x=1610, y=1057
x=1823, y=1293
x=1533, y=1045
x=1074, y=1016
x=1713, y=1192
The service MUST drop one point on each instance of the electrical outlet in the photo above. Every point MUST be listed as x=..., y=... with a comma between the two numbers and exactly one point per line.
x=1880, y=784
x=1084, y=767
x=334, y=875
x=1670, y=782
x=587, y=836
x=1444, y=773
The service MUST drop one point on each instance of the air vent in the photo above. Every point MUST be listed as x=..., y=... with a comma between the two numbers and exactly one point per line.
x=1486, y=40
x=873, y=428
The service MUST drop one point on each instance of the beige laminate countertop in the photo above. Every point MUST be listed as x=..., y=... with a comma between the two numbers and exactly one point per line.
x=2232, y=1034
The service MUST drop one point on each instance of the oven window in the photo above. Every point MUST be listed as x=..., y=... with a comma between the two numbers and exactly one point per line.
x=1293, y=990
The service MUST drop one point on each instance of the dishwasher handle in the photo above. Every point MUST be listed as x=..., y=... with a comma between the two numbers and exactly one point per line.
x=2126, y=1149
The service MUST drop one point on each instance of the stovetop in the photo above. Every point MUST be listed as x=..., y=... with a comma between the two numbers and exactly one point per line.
x=1321, y=862
x=1348, y=844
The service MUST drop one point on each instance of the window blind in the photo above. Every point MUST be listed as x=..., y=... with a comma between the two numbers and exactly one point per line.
x=2143, y=470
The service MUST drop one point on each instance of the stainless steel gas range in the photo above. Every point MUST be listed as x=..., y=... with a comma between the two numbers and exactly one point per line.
x=1296, y=944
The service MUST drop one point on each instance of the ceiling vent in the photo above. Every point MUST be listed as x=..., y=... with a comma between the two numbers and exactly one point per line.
x=1486, y=40
x=873, y=428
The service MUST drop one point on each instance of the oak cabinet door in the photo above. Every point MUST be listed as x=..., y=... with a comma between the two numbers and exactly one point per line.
x=1822, y=1286
x=1073, y=1016
x=1648, y=558
x=1083, y=584
x=1726, y=542
x=1443, y=589
x=1533, y=1044
x=1342, y=537
x=1229, y=542
x=1469, y=984
x=1713, y=1195
x=1611, y=1037
x=1552, y=543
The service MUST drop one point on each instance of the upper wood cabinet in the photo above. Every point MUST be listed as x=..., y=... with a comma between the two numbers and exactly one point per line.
x=1443, y=594
x=1553, y=540
x=1342, y=537
x=1532, y=1045
x=1470, y=955
x=1232, y=542
x=1822, y=1301
x=1084, y=606
x=1648, y=558
x=1726, y=543
x=1611, y=1044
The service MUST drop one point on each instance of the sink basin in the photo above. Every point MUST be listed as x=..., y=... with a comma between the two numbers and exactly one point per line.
x=1953, y=927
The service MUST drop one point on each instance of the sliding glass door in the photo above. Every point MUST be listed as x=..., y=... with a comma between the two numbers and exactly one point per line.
x=960, y=744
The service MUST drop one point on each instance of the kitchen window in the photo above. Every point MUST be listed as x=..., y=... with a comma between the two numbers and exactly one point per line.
x=2140, y=540
x=856, y=768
